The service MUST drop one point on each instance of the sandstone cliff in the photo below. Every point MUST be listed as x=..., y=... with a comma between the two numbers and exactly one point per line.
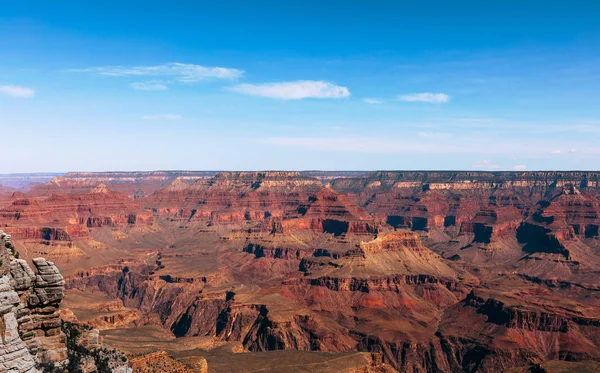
x=29, y=309
x=432, y=271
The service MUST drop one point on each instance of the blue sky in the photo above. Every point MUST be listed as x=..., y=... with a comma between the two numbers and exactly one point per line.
x=240, y=85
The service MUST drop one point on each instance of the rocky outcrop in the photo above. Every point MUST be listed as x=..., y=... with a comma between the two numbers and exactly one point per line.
x=49, y=236
x=14, y=354
x=289, y=253
x=40, y=320
x=33, y=338
x=86, y=353
x=390, y=283
x=513, y=317
x=29, y=304
x=160, y=361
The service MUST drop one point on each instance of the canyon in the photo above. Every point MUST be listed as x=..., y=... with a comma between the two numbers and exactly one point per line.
x=389, y=271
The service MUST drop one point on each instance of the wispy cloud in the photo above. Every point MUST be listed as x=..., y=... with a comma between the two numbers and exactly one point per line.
x=561, y=151
x=293, y=90
x=17, y=91
x=180, y=72
x=163, y=117
x=486, y=165
x=520, y=167
x=154, y=85
x=438, y=98
x=372, y=101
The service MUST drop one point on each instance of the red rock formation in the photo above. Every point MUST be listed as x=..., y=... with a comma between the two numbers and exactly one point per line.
x=160, y=361
x=97, y=206
x=433, y=271
x=234, y=197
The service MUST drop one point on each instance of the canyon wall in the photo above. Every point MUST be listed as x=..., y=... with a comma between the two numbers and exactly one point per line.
x=430, y=271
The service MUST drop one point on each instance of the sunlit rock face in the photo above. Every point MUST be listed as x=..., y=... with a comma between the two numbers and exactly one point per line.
x=30, y=325
x=431, y=271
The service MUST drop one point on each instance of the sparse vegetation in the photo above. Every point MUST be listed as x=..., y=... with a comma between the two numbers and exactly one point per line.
x=78, y=353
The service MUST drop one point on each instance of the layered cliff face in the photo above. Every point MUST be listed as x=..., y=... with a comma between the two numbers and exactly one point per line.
x=429, y=200
x=560, y=239
x=93, y=208
x=538, y=181
x=30, y=322
x=234, y=197
x=133, y=184
x=330, y=212
x=429, y=271
x=60, y=226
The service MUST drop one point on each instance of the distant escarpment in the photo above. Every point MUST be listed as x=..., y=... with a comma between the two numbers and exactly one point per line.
x=427, y=271
x=465, y=180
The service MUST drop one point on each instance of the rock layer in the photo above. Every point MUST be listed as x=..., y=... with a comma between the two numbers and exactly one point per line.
x=29, y=305
x=432, y=271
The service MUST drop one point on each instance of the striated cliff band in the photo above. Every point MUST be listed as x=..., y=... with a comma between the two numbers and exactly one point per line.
x=354, y=272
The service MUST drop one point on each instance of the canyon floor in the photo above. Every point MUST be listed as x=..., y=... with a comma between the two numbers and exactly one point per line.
x=325, y=272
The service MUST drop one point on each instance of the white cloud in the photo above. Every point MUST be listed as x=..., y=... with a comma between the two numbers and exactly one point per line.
x=149, y=86
x=486, y=165
x=520, y=167
x=372, y=101
x=438, y=98
x=17, y=91
x=163, y=117
x=561, y=151
x=293, y=90
x=181, y=72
